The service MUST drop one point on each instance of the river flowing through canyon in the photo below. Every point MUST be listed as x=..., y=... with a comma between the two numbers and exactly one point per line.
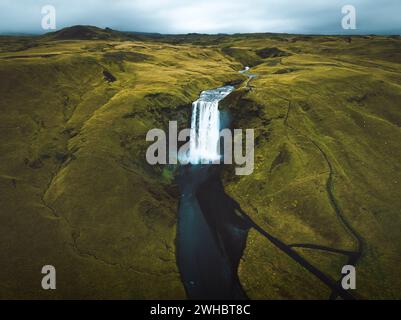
x=210, y=237
x=212, y=228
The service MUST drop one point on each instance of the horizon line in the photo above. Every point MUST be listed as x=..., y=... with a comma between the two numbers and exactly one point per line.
x=345, y=33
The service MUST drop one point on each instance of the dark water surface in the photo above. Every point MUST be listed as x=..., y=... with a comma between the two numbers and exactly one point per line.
x=210, y=236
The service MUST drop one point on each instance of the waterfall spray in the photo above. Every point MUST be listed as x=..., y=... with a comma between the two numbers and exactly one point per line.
x=205, y=126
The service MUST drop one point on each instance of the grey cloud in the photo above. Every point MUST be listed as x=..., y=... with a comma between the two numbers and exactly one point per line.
x=208, y=16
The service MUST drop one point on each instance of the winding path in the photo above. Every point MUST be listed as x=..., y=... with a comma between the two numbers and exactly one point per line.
x=353, y=256
x=212, y=232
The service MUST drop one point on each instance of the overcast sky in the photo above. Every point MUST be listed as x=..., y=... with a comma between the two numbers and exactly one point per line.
x=205, y=16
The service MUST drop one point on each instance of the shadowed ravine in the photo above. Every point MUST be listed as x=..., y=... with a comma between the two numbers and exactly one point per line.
x=212, y=233
x=211, y=237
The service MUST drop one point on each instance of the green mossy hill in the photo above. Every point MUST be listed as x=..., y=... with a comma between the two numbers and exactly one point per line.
x=76, y=191
x=90, y=33
x=327, y=124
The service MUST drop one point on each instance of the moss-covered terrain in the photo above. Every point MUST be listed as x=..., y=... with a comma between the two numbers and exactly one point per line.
x=77, y=193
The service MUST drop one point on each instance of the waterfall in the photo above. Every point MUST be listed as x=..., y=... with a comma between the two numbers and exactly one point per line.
x=205, y=126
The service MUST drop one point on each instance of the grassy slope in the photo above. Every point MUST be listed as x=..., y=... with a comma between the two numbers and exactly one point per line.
x=77, y=192
x=331, y=103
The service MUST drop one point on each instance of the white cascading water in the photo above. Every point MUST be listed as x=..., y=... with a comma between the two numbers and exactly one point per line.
x=205, y=126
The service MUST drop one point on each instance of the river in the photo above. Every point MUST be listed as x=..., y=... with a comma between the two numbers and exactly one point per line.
x=210, y=236
x=212, y=228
